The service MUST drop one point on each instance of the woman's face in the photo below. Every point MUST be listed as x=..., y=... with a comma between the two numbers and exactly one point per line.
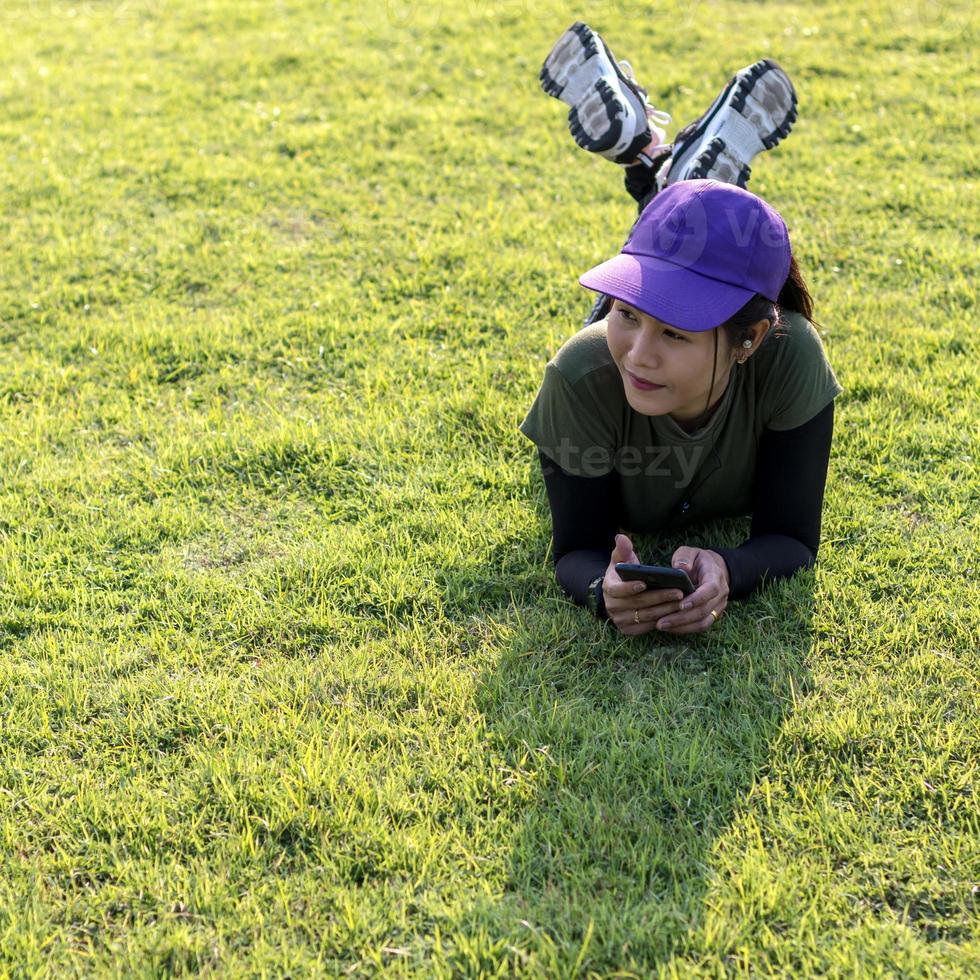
x=677, y=360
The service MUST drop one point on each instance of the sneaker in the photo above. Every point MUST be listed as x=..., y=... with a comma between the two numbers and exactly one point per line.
x=754, y=111
x=610, y=114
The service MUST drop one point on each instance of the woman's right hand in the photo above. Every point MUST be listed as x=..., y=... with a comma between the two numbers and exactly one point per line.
x=627, y=601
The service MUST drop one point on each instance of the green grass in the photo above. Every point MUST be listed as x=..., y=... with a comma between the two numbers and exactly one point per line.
x=287, y=684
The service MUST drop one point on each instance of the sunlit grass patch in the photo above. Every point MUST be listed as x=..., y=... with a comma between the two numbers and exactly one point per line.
x=288, y=684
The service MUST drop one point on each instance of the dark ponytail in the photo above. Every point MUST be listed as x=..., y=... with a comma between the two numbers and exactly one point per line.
x=794, y=297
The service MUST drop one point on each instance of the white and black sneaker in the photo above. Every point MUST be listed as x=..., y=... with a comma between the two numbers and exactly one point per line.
x=754, y=111
x=610, y=114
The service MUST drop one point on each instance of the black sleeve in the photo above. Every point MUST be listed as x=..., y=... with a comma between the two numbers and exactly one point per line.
x=641, y=183
x=584, y=520
x=791, y=471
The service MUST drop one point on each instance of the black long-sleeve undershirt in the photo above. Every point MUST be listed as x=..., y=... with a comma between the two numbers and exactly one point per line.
x=787, y=507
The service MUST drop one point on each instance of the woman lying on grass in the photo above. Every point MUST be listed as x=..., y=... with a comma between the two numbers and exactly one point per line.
x=699, y=387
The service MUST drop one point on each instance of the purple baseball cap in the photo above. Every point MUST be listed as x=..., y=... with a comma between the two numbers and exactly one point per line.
x=697, y=254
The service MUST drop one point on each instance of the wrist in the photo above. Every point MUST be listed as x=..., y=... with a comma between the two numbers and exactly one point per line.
x=595, y=598
x=723, y=565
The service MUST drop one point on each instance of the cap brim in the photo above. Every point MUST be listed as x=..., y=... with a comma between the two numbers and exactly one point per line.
x=671, y=293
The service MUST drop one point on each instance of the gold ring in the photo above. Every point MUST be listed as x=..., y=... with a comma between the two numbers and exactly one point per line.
x=713, y=613
x=636, y=615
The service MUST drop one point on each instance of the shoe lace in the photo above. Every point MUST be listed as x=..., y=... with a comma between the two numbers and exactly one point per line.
x=657, y=116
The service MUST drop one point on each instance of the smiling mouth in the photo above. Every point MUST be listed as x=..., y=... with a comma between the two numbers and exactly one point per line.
x=642, y=382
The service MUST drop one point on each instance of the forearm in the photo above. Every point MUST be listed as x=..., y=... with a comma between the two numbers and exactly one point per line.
x=785, y=535
x=641, y=182
x=764, y=559
x=584, y=522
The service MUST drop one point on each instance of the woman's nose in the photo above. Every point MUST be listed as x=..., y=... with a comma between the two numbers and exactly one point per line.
x=645, y=352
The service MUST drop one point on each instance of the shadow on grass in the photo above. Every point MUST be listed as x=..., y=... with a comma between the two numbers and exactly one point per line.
x=628, y=759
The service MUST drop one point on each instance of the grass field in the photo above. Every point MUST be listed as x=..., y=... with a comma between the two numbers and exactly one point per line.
x=288, y=686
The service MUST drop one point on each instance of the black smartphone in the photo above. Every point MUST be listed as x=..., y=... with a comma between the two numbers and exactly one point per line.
x=655, y=576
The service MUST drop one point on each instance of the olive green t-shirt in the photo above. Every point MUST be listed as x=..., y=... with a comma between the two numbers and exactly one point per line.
x=581, y=419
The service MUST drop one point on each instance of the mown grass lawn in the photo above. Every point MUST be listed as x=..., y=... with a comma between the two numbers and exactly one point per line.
x=288, y=686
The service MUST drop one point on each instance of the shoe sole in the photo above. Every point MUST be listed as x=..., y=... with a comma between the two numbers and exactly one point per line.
x=571, y=53
x=721, y=146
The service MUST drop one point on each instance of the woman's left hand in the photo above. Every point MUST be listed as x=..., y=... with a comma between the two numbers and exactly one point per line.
x=709, y=575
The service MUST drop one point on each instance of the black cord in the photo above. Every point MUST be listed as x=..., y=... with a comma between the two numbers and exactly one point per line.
x=685, y=505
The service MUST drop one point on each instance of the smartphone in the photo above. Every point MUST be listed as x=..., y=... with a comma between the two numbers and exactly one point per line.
x=655, y=576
